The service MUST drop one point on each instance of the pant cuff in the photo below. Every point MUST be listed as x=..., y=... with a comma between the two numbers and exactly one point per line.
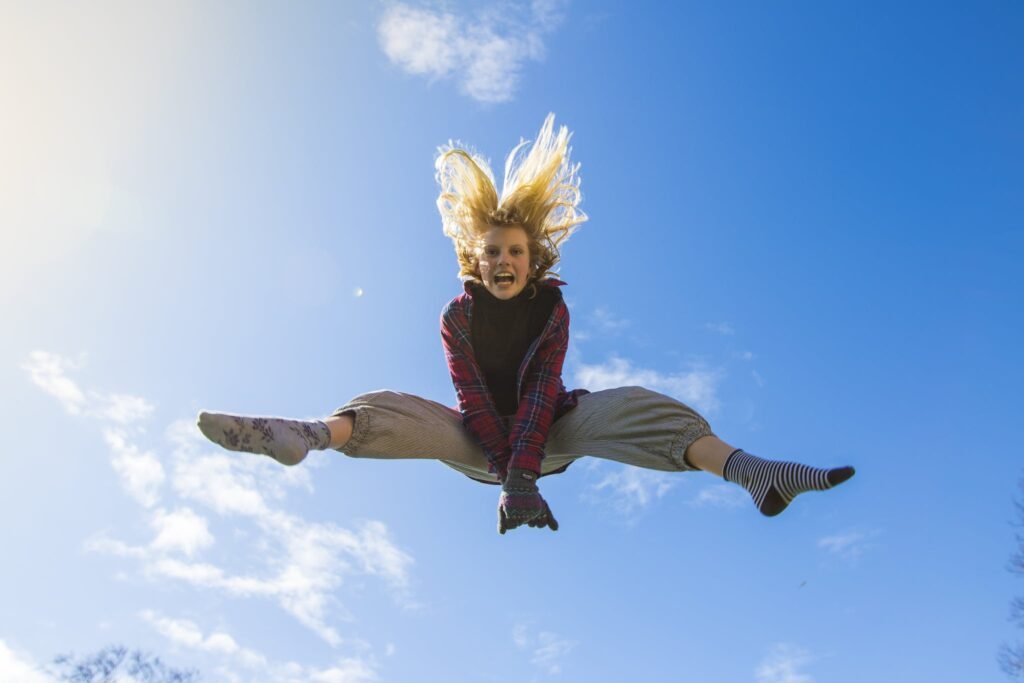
x=684, y=438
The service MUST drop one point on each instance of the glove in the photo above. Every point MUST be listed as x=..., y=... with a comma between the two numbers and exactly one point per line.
x=521, y=503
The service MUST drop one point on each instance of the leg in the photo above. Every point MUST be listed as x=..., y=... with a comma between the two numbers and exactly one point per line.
x=390, y=425
x=631, y=425
x=403, y=426
x=773, y=485
x=340, y=427
x=640, y=427
x=709, y=453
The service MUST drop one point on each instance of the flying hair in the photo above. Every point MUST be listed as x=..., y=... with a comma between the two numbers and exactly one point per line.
x=540, y=193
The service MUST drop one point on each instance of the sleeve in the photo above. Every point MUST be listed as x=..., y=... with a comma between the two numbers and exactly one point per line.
x=479, y=414
x=543, y=384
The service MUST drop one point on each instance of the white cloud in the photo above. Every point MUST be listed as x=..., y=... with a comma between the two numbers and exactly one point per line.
x=521, y=636
x=547, y=649
x=607, y=322
x=221, y=482
x=722, y=496
x=484, y=55
x=47, y=371
x=351, y=670
x=783, y=664
x=185, y=633
x=698, y=387
x=849, y=545
x=141, y=474
x=188, y=634
x=182, y=530
x=550, y=650
x=110, y=546
x=299, y=564
x=632, y=488
x=305, y=570
x=313, y=557
x=720, y=328
x=123, y=408
x=18, y=667
x=305, y=563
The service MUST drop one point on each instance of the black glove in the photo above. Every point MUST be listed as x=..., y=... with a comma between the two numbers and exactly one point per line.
x=521, y=503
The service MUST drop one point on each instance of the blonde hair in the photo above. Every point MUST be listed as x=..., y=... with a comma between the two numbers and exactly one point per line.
x=540, y=193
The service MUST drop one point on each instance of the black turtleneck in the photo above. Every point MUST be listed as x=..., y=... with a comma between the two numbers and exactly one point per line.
x=502, y=334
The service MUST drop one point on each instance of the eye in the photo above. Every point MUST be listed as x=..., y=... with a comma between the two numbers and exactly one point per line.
x=491, y=251
x=517, y=251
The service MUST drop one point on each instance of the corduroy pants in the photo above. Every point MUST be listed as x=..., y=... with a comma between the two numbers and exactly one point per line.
x=631, y=425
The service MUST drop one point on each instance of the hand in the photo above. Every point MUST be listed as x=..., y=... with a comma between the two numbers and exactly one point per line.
x=521, y=503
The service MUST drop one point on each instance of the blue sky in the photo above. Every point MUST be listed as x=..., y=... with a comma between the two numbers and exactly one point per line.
x=805, y=221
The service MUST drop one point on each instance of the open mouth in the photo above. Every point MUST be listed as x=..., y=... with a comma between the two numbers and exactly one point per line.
x=504, y=279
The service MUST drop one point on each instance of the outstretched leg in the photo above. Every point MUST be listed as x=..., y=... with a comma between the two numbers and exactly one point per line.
x=643, y=428
x=772, y=484
x=379, y=424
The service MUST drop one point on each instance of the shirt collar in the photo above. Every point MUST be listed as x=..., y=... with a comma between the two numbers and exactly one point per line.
x=468, y=285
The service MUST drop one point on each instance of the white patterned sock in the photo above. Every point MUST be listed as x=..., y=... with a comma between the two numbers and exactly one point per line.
x=287, y=441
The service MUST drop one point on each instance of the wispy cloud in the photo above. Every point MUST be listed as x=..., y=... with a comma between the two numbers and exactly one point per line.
x=484, y=54
x=631, y=489
x=783, y=665
x=187, y=634
x=698, y=387
x=141, y=473
x=547, y=649
x=720, y=328
x=181, y=531
x=301, y=565
x=849, y=545
x=607, y=322
x=15, y=666
x=721, y=496
x=48, y=371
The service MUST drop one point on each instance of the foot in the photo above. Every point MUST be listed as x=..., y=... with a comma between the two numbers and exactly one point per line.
x=287, y=441
x=773, y=485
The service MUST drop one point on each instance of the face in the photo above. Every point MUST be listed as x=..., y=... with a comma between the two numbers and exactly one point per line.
x=504, y=261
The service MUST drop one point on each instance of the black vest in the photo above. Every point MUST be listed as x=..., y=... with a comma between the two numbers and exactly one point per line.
x=502, y=334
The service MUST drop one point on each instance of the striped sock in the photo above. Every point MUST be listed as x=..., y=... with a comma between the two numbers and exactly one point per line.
x=773, y=485
x=287, y=441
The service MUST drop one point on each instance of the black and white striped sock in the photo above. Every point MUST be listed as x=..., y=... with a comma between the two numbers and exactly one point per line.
x=773, y=485
x=287, y=441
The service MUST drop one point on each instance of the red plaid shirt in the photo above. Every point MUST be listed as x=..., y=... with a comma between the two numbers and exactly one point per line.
x=542, y=396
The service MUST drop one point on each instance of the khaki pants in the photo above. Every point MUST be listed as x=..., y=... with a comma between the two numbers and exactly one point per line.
x=631, y=425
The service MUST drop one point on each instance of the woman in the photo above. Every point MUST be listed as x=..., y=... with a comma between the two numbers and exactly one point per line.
x=505, y=339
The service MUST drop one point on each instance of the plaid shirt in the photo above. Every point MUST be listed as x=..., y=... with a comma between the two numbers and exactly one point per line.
x=542, y=396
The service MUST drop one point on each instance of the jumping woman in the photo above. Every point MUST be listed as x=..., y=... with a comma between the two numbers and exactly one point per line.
x=505, y=338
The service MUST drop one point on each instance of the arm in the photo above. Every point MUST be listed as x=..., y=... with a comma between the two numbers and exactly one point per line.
x=479, y=415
